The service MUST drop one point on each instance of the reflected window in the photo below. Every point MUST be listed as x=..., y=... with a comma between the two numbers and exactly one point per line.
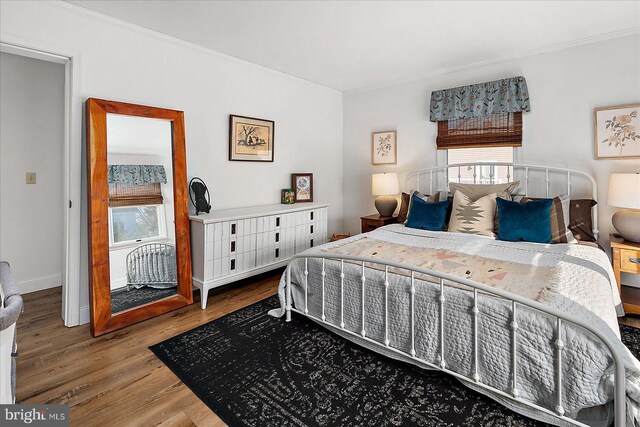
x=133, y=224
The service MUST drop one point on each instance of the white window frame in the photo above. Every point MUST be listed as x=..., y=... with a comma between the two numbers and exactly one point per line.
x=162, y=228
x=443, y=159
x=442, y=156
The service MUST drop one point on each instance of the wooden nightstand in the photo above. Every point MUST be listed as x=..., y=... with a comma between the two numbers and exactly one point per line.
x=626, y=258
x=371, y=222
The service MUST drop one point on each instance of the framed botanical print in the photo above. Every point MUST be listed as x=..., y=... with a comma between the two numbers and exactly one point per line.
x=384, y=148
x=251, y=139
x=617, y=132
x=302, y=184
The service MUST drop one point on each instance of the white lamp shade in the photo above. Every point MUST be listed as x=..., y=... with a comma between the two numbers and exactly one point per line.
x=384, y=184
x=624, y=190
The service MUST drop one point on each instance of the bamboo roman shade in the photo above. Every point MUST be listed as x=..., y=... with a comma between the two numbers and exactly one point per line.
x=134, y=195
x=496, y=130
x=480, y=115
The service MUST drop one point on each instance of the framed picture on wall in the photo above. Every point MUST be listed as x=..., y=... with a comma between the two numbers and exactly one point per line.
x=617, y=132
x=302, y=184
x=251, y=139
x=384, y=148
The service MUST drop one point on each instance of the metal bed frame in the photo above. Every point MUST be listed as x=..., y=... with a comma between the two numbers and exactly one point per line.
x=141, y=273
x=514, y=300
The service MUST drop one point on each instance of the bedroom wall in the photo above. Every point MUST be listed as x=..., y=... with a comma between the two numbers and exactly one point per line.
x=565, y=87
x=31, y=140
x=123, y=62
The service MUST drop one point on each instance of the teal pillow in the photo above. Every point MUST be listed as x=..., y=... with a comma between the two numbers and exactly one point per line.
x=427, y=216
x=527, y=222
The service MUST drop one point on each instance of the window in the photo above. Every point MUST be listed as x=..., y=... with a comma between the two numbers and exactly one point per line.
x=136, y=213
x=133, y=224
x=483, y=173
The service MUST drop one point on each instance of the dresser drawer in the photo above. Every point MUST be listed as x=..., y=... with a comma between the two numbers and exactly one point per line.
x=630, y=261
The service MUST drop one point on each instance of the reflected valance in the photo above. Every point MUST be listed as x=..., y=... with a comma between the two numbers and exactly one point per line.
x=479, y=100
x=136, y=174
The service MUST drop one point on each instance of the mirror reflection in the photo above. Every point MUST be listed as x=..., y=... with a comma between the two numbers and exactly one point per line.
x=142, y=253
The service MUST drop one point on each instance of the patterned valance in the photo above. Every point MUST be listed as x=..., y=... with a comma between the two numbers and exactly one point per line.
x=136, y=174
x=497, y=97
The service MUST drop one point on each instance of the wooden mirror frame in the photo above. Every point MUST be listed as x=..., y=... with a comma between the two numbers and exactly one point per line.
x=102, y=321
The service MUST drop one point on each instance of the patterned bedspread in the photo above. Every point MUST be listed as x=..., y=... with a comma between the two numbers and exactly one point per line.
x=575, y=279
x=536, y=282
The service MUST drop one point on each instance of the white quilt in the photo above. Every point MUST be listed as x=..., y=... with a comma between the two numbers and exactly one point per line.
x=586, y=290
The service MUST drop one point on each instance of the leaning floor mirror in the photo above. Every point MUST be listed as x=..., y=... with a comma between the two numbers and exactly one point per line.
x=139, y=248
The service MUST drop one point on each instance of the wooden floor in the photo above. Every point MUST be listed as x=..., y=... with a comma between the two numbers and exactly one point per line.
x=115, y=380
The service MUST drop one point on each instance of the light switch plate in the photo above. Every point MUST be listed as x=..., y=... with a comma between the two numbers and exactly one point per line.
x=31, y=177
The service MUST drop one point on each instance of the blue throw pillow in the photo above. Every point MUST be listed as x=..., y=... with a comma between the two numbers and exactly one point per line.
x=528, y=222
x=427, y=216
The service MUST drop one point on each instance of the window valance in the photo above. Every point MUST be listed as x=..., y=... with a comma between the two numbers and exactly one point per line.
x=479, y=100
x=136, y=174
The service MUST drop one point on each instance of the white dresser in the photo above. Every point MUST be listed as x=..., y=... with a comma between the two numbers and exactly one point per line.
x=231, y=244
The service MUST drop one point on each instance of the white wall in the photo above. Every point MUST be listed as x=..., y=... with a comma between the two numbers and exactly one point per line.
x=121, y=62
x=31, y=140
x=565, y=86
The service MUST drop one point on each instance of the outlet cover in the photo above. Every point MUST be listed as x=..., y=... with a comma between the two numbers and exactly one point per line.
x=31, y=177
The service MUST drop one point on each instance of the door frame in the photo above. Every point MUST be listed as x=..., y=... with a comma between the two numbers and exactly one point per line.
x=71, y=266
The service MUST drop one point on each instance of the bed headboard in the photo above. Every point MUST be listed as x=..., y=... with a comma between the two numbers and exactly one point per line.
x=535, y=180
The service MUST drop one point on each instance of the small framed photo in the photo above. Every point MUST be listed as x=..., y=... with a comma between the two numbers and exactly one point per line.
x=384, y=148
x=287, y=196
x=302, y=184
x=251, y=139
x=617, y=132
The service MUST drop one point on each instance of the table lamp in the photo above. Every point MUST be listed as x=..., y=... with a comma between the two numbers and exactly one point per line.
x=385, y=185
x=624, y=192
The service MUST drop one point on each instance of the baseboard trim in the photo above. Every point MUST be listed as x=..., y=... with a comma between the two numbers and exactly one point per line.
x=85, y=317
x=39, y=284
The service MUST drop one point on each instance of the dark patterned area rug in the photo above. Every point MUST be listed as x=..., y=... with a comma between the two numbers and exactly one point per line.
x=254, y=370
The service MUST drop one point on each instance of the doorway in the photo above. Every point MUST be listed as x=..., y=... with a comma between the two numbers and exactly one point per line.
x=39, y=223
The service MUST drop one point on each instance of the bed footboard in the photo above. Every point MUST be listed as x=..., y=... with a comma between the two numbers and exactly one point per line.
x=445, y=281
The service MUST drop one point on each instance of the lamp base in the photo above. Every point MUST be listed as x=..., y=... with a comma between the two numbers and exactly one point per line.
x=386, y=205
x=627, y=224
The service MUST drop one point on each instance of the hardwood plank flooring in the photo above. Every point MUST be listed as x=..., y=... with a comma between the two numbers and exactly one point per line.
x=115, y=380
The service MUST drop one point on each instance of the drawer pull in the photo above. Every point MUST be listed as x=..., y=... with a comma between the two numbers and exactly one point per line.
x=371, y=226
x=277, y=237
x=233, y=264
x=233, y=246
x=277, y=221
x=233, y=229
x=634, y=260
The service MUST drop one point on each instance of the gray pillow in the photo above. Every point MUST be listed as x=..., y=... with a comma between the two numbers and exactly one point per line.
x=476, y=191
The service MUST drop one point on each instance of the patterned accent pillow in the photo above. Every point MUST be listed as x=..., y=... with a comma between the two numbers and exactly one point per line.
x=581, y=220
x=560, y=232
x=473, y=217
x=405, y=198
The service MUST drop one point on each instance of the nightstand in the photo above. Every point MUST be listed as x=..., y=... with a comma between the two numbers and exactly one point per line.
x=626, y=259
x=371, y=222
